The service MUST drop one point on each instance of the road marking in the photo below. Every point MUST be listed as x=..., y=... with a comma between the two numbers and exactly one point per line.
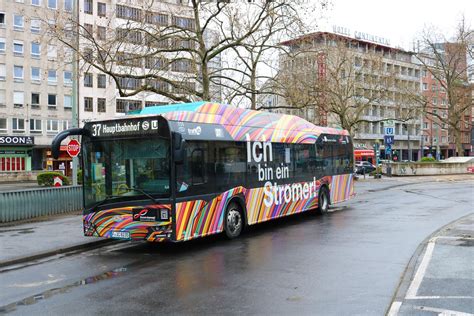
x=420, y=273
x=439, y=297
x=443, y=312
x=394, y=308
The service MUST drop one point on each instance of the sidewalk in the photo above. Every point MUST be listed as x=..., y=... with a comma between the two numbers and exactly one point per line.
x=38, y=239
x=440, y=276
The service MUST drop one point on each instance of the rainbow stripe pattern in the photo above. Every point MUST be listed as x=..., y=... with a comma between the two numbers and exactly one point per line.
x=104, y=223
x=258, y=125
x=199, y=218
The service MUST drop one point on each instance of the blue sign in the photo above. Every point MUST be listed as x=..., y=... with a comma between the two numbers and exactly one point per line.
x=389, y=130
x=388, y=140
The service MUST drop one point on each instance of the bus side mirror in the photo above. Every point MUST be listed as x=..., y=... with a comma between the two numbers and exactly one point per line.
x=179, y=148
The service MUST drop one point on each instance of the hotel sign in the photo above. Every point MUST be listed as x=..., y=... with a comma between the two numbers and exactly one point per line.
x=17, y=140
x=360, y=35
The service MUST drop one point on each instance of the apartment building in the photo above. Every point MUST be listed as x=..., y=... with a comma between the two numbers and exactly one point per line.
x=99, y=96
x=394, y=73
x=438, y=138
x=35, y=85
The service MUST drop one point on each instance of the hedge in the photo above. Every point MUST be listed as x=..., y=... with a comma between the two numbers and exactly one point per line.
x=47, y=178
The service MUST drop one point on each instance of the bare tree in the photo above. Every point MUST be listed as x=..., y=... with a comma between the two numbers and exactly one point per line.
x=138, y=50
x=446, y=60
x=257, y=56
x=346, y=84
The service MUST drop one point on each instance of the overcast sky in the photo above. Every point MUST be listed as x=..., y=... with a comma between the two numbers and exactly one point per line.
x=398, y=20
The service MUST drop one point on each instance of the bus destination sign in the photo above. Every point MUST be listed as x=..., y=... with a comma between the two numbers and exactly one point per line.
x=124, y=127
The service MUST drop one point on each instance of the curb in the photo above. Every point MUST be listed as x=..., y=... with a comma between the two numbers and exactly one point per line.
x=58, y=251
x=410, y=269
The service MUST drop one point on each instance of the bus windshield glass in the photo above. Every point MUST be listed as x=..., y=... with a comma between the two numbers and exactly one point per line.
x=126, y=167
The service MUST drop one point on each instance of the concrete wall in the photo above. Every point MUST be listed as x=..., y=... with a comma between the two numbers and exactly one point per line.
x=18, y=176
x=425, y=169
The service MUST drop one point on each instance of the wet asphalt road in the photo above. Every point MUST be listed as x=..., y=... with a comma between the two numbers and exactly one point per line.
x=348, y=262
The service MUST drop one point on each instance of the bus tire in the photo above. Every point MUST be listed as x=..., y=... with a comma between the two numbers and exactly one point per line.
x=323, y=200
x=233, y=221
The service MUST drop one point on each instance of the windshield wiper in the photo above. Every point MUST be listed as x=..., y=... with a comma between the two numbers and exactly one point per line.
x=148, y=195
x=107, y=198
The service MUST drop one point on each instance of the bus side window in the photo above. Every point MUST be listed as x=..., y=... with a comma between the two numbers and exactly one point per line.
x=198, y=167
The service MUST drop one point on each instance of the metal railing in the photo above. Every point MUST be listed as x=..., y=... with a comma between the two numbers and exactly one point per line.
x=30, y=203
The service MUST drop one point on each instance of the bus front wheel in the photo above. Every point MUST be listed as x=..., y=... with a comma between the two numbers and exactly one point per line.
x=323, y=200
x=234, y=221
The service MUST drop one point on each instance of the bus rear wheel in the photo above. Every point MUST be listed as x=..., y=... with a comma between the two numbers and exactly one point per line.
x=234, y=221
x=323, y=200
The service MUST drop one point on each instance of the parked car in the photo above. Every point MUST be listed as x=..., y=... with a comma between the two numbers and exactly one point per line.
x=364, y=167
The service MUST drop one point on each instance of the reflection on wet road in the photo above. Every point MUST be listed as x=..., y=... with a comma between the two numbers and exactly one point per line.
x=346, y=262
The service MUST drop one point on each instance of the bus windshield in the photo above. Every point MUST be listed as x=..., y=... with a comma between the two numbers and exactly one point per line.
x=126, y=167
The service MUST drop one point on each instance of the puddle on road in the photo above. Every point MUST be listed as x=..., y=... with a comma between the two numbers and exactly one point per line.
x=49, y=293
x=18, y=230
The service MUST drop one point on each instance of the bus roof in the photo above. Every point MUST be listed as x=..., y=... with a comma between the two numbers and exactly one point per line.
x=237, y=122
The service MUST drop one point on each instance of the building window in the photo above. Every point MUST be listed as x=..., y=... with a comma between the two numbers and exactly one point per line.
x=101, y=105
x=425, y=125
x=183, y=65
x=2, y=45
x=3, y=96
x=35, y=126
x=18, y=22
x=101, y=81
x=3, y=125
x=68, y=5
x=52, y=4
x=18, y=124
x=35, y=74
x=52, y=52
x=52, y=100
x=3, y=72
x=35, y=100
x=18, y=99
x=36, y=2
x=122, y=106
x=18, y=47
x=155, y=63
x=128, y=13
x=185, y=23
x=88, y=107
x=18, y=72
x=425, y=86
x=101, y=9
x=88, y=6
x=52, y=77
x=129, y=83
x=65, y=125
x=88, y=30
x=35, y=50
x=88, y=54
x=52, y=126
x=156, y=18
x=68, y=102
x=35, y=25
x=2, y=19
x=101, y=33
x=67, y=78
x=88, y=80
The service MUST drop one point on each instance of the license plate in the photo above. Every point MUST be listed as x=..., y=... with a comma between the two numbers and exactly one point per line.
x=121, y=235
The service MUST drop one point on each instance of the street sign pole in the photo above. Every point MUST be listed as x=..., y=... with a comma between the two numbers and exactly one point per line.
x=75, y=82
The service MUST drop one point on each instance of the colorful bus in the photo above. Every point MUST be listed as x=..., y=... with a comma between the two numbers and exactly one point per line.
x=179, y=172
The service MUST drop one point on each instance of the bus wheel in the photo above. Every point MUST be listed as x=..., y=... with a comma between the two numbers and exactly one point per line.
x=323, y=200
x=233, y=221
